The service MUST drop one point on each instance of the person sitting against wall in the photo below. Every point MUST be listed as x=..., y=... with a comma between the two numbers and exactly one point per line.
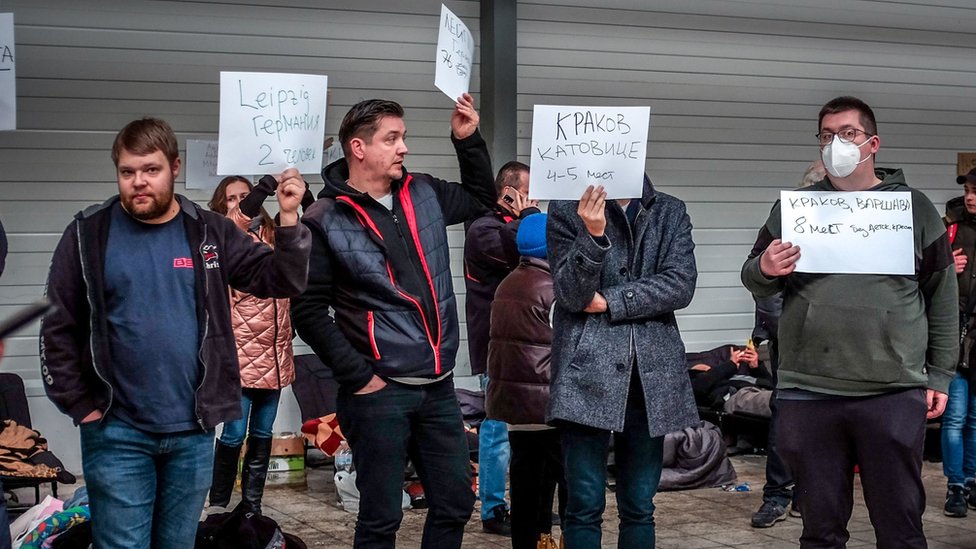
x=738, y=383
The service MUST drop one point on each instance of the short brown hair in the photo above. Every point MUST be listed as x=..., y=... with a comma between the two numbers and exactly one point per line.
x=508, y=175
x=363, y=120
x=848, y=103
x=146, y=136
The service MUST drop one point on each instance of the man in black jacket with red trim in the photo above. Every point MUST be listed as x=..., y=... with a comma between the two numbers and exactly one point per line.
x=380, y=261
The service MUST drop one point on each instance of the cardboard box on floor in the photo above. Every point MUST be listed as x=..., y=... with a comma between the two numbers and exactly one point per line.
x=288, y=444
x=287, y=453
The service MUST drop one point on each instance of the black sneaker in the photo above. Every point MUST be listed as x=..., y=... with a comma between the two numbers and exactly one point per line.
x=769, y=514
x=955, y=503
x=499, y=524
x=971, y=493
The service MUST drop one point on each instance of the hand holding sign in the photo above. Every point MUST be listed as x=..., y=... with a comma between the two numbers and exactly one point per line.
x=464, y=119
x=779, y=259
x=591, y=210
x=291, y=189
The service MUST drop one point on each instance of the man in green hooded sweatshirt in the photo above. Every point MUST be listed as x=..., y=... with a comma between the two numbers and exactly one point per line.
x=864, y=358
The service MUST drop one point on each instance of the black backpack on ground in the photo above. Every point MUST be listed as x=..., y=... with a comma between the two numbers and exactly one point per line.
x=243, y=529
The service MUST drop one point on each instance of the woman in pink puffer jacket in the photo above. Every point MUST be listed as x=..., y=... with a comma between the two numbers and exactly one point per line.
x=262, y=328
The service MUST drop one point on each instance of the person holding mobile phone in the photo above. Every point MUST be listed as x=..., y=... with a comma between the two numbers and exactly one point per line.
x=490, y=253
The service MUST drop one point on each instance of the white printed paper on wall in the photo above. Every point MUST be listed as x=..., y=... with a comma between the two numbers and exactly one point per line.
x=8, y=74
x=201, y=164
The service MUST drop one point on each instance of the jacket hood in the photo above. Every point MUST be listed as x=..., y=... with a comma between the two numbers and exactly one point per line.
x=955, y=211
x=336, y=175
x=891, y=180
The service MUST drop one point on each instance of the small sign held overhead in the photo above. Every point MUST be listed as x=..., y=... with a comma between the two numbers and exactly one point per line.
x=455, y=54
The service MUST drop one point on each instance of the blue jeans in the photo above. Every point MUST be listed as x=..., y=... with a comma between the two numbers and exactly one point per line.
x=638, y=456
x=261, y=406
x=422, y=422
x=145, y=489
x=494, y=455
x=959, y=433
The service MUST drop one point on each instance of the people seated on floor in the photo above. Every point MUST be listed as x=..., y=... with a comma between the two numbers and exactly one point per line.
x=731, y=379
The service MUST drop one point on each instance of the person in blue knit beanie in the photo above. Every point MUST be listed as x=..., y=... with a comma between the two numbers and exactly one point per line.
x=531, y=236
x=518, y=366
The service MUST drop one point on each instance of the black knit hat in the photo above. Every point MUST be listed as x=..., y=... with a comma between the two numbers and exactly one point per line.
x=970, y=177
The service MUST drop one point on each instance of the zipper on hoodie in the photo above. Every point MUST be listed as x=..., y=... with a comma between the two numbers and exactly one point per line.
x=206, y=329
x=403, y=240
x=413, y=267
x=389, y=271
x=91, y=321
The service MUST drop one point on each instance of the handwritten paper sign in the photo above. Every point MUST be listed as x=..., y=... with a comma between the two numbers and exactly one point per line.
x=201, y=164
x=573, y=147
x=850, y=232
x=455, y=53
x=8, y=74
x=269, y=122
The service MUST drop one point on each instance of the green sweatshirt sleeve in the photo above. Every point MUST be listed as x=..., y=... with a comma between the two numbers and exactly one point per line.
x=940, y=290
x=752, y=277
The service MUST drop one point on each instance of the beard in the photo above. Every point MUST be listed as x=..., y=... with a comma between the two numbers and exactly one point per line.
x=157, y=206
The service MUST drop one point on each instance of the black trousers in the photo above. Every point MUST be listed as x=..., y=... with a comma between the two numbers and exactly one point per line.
x=779, y=480
x=535, y=471
x=822, y=440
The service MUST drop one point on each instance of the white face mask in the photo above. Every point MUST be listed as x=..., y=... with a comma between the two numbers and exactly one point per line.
x=841, y=159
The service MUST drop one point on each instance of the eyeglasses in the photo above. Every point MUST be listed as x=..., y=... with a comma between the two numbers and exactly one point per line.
x=846, y=135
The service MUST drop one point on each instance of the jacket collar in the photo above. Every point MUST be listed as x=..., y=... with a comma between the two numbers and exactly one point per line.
x=648, y=194
x=187, y=206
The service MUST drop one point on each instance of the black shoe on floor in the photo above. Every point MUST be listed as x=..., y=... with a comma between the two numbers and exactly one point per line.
x=499, y=524
x=955, y=503
x=971, y=493
x=769, y=514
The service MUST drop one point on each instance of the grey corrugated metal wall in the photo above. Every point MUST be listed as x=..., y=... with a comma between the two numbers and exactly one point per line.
x=734, y=88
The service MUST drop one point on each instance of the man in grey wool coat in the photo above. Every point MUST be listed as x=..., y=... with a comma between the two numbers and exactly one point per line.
x=620, y=270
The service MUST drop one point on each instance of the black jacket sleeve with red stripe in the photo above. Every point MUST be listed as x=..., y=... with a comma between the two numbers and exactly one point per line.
x=476, y=193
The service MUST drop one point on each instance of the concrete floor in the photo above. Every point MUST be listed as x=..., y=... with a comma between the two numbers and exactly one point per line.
x=695, y=519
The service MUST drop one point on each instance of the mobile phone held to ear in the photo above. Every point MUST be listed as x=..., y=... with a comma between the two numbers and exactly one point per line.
x=23, y=317
x=509, y=195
